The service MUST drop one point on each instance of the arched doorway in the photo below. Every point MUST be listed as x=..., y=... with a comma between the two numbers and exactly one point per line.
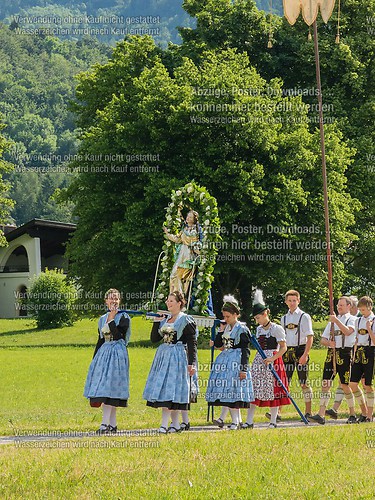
x=17, y=261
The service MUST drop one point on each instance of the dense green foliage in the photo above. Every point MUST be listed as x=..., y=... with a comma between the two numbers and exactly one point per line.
x=51, y=298
x=109, y=21
x=255, y=146
x=5, y=202
x=37, y=83
x=348, y=82
x=256, y=155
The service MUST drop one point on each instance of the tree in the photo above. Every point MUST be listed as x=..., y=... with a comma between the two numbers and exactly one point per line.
x=251, y=148
x=348, y=81
x=6, y=203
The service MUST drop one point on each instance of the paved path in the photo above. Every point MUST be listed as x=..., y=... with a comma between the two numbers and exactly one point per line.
x=35, y=436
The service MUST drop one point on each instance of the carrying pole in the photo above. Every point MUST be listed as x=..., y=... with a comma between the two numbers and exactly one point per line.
x=263, y=355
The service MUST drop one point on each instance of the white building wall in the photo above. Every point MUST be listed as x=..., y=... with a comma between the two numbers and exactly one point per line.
x=11, y=283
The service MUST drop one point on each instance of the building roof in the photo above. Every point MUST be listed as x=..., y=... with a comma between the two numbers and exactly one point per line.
x=37, y=227
x=53, y=235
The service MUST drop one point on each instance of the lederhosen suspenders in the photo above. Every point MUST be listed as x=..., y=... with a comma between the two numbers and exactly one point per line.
x=298, y=327
x=369, y=336
x=343, y=336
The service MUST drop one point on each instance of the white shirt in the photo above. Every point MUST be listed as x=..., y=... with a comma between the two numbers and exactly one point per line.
x=274, y=330
x=305, y=329
x=349, y=321
x=364, y=338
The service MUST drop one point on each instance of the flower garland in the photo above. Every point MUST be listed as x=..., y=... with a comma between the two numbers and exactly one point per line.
x=197, y=198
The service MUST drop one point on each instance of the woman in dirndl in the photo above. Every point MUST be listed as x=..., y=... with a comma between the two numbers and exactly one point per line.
x=230, y=383
x=267, y=391
x=169, y=381
x=107, y=382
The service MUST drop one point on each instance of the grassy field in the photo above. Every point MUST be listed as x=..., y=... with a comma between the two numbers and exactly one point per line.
x=43, y=375
x=313, y=463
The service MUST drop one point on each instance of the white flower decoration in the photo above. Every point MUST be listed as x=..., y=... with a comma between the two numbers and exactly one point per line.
x=206, y=222
x=178, y=193
x=189, y=189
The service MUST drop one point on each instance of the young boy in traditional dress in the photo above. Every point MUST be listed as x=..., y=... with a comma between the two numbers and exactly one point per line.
x=299, y=339
x=339, y=394
x=363, y=366
x=339, y=356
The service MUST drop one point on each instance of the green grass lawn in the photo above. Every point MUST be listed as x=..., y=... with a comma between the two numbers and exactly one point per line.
x=23, y=333
x=43, y=375
x=311, y=463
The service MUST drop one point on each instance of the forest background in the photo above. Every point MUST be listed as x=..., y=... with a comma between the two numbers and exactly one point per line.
x=214, y=104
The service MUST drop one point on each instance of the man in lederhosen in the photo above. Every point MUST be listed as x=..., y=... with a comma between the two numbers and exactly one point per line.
x=299, y=339
x=363, y=365
x=339, y=358
x=339, y=394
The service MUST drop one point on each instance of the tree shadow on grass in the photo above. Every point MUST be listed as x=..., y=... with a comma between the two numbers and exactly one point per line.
x=18, y=332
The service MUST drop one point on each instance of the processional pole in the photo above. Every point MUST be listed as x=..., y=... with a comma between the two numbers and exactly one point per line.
x=310, y=10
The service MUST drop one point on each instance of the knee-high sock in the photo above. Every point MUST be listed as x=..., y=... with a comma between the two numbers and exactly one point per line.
x=339, y=395
x=350, y=400
x=307, y=394
x=324, y=398
x=274, y=411
x=112, y=418
x=165, y=416
x=185, y=416
x=370, y=399
x=175, y=419
x=106, y=414
x=250, y=414
x=235, y=414
x=224, y=412
x=358, y=394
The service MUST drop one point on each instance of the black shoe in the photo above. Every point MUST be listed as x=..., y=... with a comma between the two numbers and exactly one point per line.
x=185, y=427
x=112, y=430
x=362, y=419
x=219, y=422
x=272, y=425
x=307, y=416
x=278, y=418
x=317, y=418
x=246, y=425
x=103, y=429
x=233, y=427
x=173, y=430
x=332, y=413
x=352, y=420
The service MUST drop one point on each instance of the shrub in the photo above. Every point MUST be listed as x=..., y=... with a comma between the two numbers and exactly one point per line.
x=51, y=298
